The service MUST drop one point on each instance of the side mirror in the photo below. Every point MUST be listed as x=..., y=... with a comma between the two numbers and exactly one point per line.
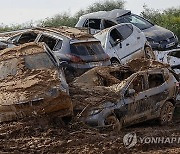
x=118, y=41
x=131, y=92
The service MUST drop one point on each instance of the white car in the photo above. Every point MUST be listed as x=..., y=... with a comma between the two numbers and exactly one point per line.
x=124, y=42
x=171, y=57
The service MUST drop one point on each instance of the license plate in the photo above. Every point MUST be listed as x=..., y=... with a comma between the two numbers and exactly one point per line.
x=170, y=45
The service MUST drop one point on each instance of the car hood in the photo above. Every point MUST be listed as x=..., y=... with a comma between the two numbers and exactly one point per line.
x=158, y=33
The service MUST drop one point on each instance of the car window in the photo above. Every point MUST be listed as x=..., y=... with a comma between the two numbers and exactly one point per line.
x=52, y=43
x=27, y=37
x=93, y=23
x=135, y=20
x=38, y=61
x=155, y=80
x=138, y=84
x=8, y=68
x=125, y=31
x=14, y=38
x=175, y=54
x=114, y=37
x=84, y=49
x=108, y=24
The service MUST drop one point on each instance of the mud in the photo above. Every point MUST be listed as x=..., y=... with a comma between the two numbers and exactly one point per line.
x=81, y=33
x=48, y=135
x=29, y=91
x=97, y=86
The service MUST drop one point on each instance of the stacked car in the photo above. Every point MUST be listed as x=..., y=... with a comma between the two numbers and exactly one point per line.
x=58, y=70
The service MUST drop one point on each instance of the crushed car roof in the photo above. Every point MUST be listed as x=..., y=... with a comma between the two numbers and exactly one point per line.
x=107, y=14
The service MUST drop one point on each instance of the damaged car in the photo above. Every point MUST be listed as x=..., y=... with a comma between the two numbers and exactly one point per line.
x=120, y=96
x=79, y=49
x=32, y=83
x=124, y=42
x=158, y=37
x=171, y=57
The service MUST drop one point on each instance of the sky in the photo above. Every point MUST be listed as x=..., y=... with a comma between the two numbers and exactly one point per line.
x=22, y=11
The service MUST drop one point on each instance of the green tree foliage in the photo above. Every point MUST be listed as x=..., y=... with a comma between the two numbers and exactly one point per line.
x=169, y=18
x=66, y=19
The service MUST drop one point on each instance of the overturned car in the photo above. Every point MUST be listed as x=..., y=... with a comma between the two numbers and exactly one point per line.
x=31, y=83
x=121, y=96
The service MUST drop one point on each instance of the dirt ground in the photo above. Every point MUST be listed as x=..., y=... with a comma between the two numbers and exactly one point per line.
x=45, y=135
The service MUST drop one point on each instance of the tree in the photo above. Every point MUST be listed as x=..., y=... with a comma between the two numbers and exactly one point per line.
x=169, y=18
x=66, y=19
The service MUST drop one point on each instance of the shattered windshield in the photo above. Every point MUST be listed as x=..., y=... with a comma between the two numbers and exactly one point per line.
x=38, y=61
x=135, y=20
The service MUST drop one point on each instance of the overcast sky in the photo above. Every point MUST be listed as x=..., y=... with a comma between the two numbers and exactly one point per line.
x=21, y=11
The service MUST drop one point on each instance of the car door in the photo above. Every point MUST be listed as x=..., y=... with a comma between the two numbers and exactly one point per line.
x=157, y=91
x=123, y=42
x=137, y=101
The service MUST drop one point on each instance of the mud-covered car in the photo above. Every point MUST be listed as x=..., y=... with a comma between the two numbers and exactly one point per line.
x=79, y=49
x=31, y=83
x=158, y=37
x=121, y=96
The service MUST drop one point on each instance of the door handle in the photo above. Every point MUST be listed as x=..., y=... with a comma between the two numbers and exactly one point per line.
x=138, y=37
x=127, y=44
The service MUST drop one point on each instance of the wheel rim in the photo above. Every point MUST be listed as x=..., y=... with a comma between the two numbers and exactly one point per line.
x=113, y=122
x=167, y=113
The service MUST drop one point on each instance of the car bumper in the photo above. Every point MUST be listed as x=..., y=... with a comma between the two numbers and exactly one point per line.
x=90, y=64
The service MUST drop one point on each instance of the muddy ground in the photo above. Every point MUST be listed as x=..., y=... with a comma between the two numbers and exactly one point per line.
x=46, y=135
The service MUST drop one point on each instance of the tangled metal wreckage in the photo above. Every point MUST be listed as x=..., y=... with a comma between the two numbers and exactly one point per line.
x=126, y=95
x=33, y=83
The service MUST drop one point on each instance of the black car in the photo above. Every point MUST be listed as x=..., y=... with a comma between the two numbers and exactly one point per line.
x=158, y=37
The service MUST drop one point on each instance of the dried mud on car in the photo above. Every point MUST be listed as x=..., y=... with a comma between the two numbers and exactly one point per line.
x=46, y=134
x=27, y=89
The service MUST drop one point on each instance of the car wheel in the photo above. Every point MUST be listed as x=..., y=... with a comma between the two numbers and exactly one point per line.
x=114, y=123
x=166, y=114
x=149, y=54
x=115, y=62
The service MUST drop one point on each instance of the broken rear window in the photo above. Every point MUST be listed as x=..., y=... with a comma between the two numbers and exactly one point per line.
x=84, y=49
x=38, y=61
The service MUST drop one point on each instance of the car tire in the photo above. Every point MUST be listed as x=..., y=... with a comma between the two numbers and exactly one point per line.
x=149, y=54
x=114, y=123
x=166, y=113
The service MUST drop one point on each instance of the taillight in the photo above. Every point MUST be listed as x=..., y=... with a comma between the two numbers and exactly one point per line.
x=74, y=58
